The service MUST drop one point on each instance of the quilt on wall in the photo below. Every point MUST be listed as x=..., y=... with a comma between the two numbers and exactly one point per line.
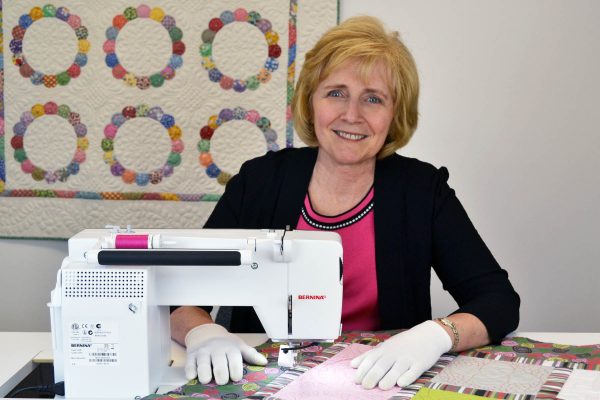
x=119, y=112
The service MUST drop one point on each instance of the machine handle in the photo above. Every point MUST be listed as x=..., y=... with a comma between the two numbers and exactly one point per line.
x=165, y=257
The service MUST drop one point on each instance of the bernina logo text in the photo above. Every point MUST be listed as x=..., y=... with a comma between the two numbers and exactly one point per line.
x=311, y=297
x=80, y=345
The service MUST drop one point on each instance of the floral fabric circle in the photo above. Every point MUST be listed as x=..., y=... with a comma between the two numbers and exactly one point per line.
x=20, y=129
x=215, y=121
x=271, y=63
x=178, y=47
x=19, y=59
x=142, y=178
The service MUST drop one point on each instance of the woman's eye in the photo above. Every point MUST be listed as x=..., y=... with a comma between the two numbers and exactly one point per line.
x=374, y=100
x=335, y=93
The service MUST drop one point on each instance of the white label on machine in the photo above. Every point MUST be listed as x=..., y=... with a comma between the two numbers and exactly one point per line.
x=93, y=343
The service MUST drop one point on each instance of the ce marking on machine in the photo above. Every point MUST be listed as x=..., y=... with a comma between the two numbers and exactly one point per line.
x=86, y=328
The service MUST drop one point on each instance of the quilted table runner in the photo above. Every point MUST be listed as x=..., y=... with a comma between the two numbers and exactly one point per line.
x=120, y=112
x=517, y=368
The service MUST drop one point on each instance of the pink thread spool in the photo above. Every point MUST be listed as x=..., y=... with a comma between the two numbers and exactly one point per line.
x=132, y=242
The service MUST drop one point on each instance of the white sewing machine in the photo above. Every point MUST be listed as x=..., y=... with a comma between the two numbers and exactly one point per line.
x=110, y=308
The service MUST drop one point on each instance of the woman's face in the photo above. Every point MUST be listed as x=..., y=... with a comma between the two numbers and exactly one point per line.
x=351, y=116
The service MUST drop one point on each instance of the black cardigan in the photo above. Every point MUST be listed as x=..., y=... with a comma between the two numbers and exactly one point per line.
x=419, y=224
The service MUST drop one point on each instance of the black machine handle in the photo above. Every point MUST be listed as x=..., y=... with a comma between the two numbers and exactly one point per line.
x=170, y=257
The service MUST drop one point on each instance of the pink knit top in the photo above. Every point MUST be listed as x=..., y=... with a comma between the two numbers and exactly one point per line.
x=357, y=229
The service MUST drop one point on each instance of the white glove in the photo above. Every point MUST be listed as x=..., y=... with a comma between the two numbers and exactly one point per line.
x=211, y=344
x=401, y=359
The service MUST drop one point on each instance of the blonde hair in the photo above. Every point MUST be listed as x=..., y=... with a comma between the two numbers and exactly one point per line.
x=364, y=39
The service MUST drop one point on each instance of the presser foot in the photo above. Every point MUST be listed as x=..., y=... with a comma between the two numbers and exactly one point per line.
x=287, y=358
x=290, y=355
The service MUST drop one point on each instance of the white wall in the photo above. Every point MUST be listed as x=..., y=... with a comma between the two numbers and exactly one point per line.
x=509, y=96
x=27, y=274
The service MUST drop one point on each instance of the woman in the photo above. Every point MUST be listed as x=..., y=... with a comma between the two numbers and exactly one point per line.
x=355, y=105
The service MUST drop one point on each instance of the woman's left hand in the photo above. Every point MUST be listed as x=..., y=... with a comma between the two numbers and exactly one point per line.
x=401, y=359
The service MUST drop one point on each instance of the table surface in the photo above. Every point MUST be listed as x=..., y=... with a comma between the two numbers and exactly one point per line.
x=18, y=350
x=22, y=350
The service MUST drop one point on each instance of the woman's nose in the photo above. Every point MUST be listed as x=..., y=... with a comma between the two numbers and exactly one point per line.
x=351, y=111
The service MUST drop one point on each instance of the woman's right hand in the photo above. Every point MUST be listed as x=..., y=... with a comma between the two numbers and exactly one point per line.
x=214, y=351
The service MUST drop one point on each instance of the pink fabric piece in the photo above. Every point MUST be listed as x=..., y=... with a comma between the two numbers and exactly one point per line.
x=360, y=311
x=333, y=379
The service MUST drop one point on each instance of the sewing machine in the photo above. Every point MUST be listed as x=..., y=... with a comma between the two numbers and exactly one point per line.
x=110, y=308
